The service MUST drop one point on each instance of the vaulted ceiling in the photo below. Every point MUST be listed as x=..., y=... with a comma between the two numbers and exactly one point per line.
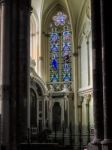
x=73, y=6
x=76, y=10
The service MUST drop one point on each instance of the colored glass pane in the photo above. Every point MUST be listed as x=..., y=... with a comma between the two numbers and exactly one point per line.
x=60, y=49
x=54, y=48
x=54, y=41
x=54, y=63
x=54, y=37
x=66, y=67
x=54, y=77
x=67, y=36
x=66, y=46
x=59, y=19
x=66, y=56
x=66, y=76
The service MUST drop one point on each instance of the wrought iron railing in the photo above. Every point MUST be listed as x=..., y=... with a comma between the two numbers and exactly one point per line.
x=76, y=141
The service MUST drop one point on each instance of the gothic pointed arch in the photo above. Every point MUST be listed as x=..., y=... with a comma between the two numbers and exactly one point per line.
x=63, y=31
x=38, y=98
x=57, y=48
x=37, y=80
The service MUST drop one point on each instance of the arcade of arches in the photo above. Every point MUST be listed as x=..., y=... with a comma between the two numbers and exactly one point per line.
x=55, y=74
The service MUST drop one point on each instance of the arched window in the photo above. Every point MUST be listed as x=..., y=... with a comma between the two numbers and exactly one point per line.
x=60, y=48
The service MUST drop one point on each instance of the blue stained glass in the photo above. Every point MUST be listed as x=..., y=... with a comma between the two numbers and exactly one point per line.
x=66, y=67
x=66, y=77
x=66, y=46
x=54, y=77
x=54, y=64
x=54, y=55
x=54, y=37
x=60, y=49
x=66, y=56
x=66, y=36
x=54, y=61
x=54, y=47
x=59, y=19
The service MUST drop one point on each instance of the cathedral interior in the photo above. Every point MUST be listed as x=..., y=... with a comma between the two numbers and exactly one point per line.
x=55, y=75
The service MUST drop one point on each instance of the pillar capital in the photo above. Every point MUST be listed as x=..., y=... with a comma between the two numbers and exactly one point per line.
x=87, y=98
x=81, y=100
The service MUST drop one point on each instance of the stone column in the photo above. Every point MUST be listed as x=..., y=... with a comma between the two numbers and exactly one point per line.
x=4, y=73
x=107, y=73
x=62, y=112
x=50, y=110
x=88, y=61
x=19, y=70
x=80, y=121
x=44, y=107
x=23, y=64
x=15, y=74
x=88, y=97
x=97, y=76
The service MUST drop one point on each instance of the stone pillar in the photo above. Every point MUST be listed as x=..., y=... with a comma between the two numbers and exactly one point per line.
x=19, y=70
x=88, y=97
x=15, y=73
x=65, y=106
x=46, y=111
x=23, y=64
x=107, y=73
x=62, y=112
x=44, y=121
x=50, y=110
x=80, y=121
x=4, y=73
x=88, y=61
x=97, y=76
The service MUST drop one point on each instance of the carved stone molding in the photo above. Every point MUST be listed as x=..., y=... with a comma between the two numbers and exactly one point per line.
x=88, y=11
x=86, y=94
x=85, y=91
x=87, y=98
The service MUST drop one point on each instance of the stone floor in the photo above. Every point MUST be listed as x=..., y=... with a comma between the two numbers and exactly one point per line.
x=43, y=146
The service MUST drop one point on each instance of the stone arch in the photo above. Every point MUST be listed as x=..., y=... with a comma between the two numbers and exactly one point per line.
x=54, y=7
x=38, y=86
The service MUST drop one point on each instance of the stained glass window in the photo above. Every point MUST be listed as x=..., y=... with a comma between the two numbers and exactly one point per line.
x=60, y=48
x=59, y=18
x=54, y=54
x=66, y=55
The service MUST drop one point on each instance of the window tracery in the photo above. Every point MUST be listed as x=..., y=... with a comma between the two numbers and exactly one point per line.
x=60, y=48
